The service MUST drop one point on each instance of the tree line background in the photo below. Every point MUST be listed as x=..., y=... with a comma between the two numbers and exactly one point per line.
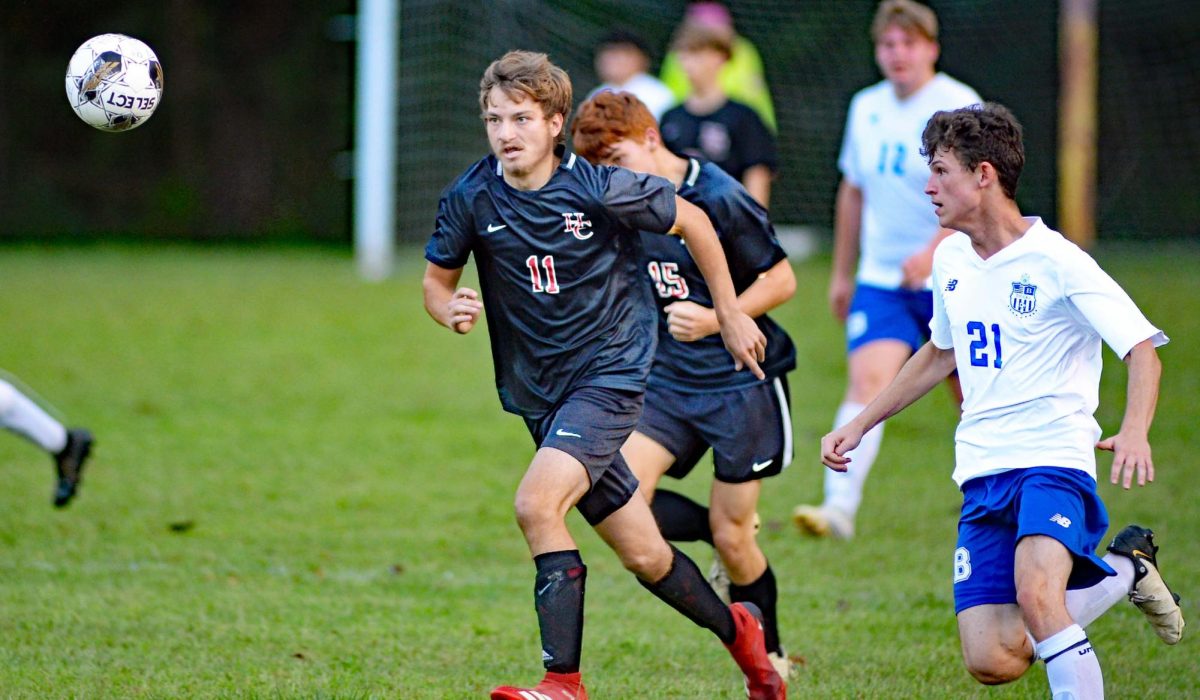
x=252, y=140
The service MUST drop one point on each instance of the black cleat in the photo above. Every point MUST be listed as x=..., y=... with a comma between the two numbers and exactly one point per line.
x=1150, y=592
x=70, y=465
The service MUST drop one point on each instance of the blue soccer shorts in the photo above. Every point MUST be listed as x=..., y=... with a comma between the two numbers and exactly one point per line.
x=1000, y=509
x=591, y=424
x=749, y=429
x=888, y=314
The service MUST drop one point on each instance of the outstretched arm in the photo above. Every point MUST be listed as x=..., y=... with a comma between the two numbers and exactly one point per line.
x=923, y=371
x=742, y=337
x=1131, y=445
x=454, y=308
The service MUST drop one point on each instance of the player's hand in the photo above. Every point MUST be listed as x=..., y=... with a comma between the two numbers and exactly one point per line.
x=463, y=309
x=835, y=445
x=916, y=269
x=1131, y=455
x=688, y=321
x=841, y=291
x=745, y=342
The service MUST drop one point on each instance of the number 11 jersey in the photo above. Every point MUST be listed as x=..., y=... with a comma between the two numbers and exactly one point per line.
x=560, y=274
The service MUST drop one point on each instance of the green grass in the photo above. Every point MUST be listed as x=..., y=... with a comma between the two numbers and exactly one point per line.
x=303, y=486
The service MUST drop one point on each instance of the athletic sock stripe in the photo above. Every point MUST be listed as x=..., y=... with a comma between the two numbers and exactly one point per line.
x=1076, y=645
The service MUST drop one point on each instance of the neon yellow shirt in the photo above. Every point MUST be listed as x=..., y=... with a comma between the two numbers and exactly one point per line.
x=742, y=79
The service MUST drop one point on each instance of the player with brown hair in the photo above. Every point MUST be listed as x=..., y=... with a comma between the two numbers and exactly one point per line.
x=556, y=244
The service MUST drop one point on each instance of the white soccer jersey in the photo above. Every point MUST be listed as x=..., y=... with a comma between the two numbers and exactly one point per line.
x=1026, y=326
x=881, y=155
x=657, y=97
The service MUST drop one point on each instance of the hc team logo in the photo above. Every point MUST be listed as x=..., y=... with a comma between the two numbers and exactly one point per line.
x=575, y=223
x=1023, y=297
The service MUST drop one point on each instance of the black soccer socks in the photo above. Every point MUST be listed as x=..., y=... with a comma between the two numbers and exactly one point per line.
x=679, y=518
x=685, y=589
x=763, y=594
x=558, y=597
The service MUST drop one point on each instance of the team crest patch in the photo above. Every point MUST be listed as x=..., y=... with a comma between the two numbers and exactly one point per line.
x=1022, y=300
x=574, y=224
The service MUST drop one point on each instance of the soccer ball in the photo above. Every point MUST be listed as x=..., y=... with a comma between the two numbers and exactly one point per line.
x=114, y=82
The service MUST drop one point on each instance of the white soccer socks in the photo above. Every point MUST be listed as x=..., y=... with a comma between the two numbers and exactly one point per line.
x=1071, y=666
x=1087, y=604
x=25, y=418
x=844, y=490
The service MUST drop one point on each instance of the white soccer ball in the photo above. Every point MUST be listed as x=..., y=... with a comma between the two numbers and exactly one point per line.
x=114, y=82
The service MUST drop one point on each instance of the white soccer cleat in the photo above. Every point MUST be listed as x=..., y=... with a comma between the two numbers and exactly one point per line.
x=783, y=665
x=718, y=578
x=1150, y=592
x=823, y=521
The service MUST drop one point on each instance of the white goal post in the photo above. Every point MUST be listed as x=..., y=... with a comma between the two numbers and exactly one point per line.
x=376, y=53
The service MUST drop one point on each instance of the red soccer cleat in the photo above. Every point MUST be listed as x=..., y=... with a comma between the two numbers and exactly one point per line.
x=555, y=686
x=749, y=650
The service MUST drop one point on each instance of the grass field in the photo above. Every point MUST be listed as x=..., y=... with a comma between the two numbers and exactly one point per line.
x=302, y=488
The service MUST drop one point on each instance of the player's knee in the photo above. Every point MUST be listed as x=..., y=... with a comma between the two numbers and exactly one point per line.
x=533, y=515
x=8, y=396
x=995, y=667
x=997, y=659
x=648, y=563
x=731, y=539
x=865, y=386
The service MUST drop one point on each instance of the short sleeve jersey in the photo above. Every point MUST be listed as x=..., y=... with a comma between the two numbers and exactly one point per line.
x=881, y=156
x=733, y=137
x=1026, y=327
x=751, y=248
x=560, y=274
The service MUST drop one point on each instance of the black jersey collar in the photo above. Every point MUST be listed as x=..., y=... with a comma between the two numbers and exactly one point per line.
x=567, y=163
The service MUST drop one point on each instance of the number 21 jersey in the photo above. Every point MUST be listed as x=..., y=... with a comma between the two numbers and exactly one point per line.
x=1025, y=326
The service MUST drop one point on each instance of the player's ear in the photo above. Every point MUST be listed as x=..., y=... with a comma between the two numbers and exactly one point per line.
x=653, y=138
x=556, y=123
x=986, y=175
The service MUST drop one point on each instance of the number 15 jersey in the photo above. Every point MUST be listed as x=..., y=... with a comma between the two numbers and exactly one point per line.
x=1025, y=326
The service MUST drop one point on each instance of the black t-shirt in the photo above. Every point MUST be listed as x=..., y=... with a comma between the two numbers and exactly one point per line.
x=751, y=248
x=733, y=137
x=560, y=272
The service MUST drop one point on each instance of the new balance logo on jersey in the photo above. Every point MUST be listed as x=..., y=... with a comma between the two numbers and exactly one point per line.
x=951, y=284
x=1061, y=520
x=575, y=224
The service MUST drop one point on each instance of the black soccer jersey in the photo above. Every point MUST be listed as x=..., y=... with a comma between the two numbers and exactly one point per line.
x=560, y=273
x=750, y=248
x=733, y=137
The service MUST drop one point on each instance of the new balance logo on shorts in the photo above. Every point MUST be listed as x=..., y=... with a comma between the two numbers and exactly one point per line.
x=1060, y=519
